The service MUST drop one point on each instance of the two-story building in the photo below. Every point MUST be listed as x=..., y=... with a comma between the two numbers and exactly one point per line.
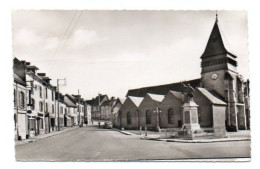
x=96, y=103
x=20, y=101
x=72, y=109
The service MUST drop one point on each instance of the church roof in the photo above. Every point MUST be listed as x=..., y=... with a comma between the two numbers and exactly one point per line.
x=213, y=99
x=216, y=45
x=136, y=100
x=156, y=97
x=162, y=89
x=176, y=94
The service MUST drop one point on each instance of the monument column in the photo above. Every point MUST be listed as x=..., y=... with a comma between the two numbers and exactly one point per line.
x=190, y=115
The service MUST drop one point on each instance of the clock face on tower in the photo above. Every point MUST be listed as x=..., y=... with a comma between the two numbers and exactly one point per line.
x=214, y=76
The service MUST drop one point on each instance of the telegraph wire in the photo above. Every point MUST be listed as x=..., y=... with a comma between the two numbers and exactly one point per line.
x=62, y=39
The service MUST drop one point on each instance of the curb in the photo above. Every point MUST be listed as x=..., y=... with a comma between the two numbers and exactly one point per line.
x=122, y=131
x=125, y=132
x=34, y=140
x=196, y=141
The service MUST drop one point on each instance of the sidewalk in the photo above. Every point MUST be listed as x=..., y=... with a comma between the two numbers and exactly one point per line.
x=39, y=137
x=243, y=135
x=195, y=140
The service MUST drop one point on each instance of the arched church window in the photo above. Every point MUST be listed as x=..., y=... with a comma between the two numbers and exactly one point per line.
x=170, y=116
x=148, y=117
x=129, y=118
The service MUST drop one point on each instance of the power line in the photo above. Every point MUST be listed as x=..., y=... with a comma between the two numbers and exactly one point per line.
x=62, y=39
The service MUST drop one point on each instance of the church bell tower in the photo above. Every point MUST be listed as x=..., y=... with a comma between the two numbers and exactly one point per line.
x=219, y=73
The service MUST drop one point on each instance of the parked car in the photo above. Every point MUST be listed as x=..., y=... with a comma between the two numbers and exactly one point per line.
x=108, y=125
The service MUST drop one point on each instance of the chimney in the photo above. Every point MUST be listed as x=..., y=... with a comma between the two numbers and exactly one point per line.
x=112, y=98
x=41, y=74
x=23, y=61
x=27, y=63
x=46, y=79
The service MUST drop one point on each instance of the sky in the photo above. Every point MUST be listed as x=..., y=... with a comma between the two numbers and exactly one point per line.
x=110, y=52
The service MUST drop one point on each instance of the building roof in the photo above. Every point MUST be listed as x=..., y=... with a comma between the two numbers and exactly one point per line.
x=136, y=100
x=211, y=97
x=216, y=45
x=176, y=94
x=89, y=102
x=70, y=101
x=32, y=67
x=156, y=97
x=18, y=79
x=162, y=89
x=109, y=102
x=96, y=100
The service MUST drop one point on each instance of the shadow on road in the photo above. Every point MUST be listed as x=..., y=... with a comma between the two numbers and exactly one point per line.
x=95, y=128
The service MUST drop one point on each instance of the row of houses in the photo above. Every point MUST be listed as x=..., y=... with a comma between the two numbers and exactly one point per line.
x=38, y=106
x=104, y=108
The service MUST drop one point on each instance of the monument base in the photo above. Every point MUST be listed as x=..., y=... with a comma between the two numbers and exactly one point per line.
x=190, y=120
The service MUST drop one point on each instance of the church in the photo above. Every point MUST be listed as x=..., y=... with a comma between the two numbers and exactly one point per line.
x=221, y=94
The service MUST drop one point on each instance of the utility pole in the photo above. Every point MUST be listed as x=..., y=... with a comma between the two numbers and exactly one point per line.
x=78, y=108
x=58, y=94
x=99, y=112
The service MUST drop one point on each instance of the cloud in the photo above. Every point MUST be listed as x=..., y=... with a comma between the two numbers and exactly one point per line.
x=84, y=37
x=26, y=38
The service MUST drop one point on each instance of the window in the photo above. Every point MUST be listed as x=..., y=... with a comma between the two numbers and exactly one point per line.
x=41, y=106
x=128, y=118
x=61, y=110
x=32, y=87
x=65, y=111
x=33, y=104
x=46, y=91
x=52, y=95
x=148, y=117
x=40, y=92
x=52, y=108
x=170, y=116
x=21, y=100
x=46, y=107
x=15, y=97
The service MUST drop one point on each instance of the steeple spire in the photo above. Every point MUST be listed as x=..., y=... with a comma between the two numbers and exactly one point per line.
x=216, y=16
x=215, y=45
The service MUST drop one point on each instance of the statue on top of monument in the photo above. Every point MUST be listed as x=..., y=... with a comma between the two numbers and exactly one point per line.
x=189, y=90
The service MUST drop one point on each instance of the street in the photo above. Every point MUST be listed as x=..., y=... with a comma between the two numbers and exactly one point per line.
x=94, y=144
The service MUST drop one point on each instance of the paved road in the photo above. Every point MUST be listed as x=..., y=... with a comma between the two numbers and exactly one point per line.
x=93, y=144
